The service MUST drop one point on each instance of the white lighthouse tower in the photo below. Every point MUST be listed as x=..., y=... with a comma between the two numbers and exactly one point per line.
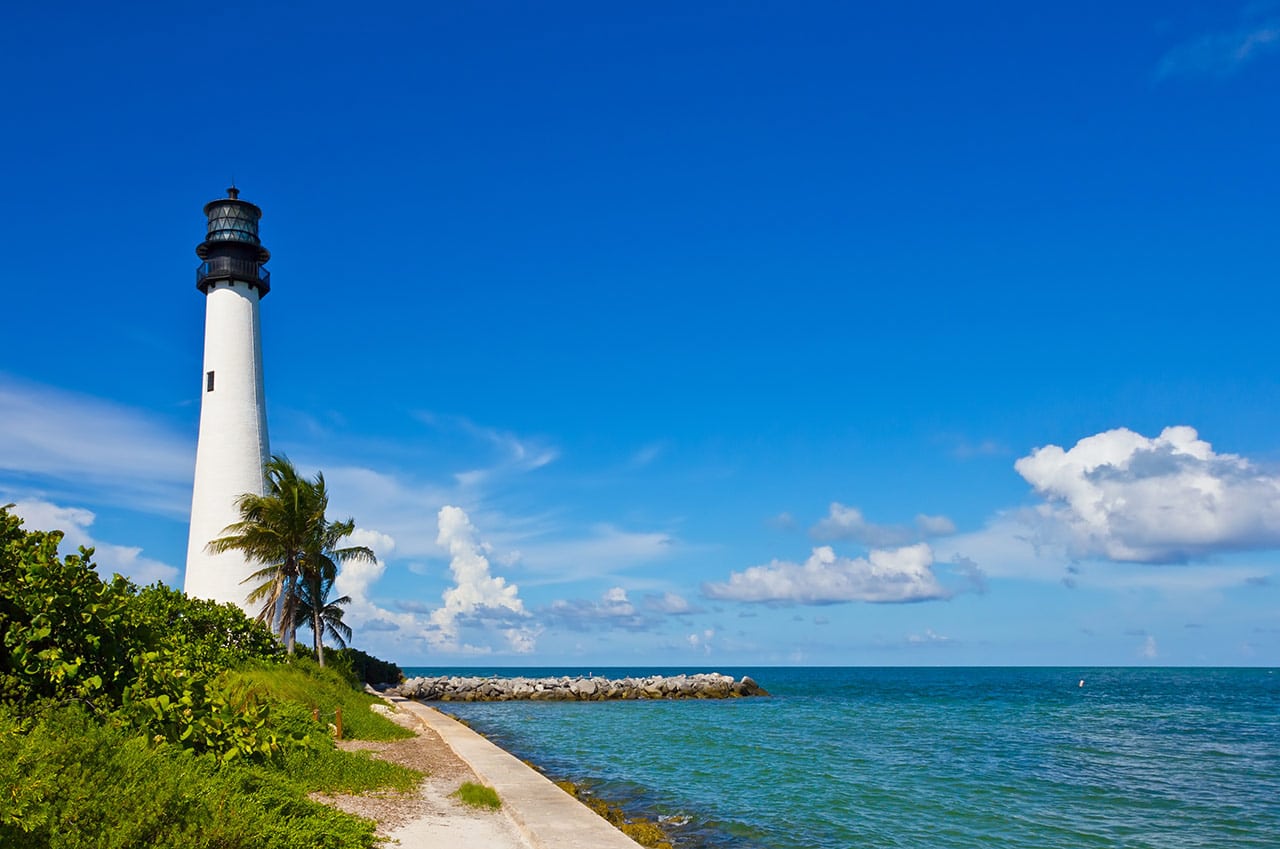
x=232, y=446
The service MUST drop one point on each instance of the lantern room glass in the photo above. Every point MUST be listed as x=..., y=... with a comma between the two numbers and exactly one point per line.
x=233, y=222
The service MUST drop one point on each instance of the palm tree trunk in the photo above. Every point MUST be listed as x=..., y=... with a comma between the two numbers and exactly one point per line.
x=277, y=622
x=317, y=625
x=288, y=627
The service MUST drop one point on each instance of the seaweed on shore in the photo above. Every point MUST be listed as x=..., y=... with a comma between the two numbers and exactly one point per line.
x=644, y=831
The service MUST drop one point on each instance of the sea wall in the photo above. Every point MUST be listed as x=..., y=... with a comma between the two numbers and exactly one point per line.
x=702, y=685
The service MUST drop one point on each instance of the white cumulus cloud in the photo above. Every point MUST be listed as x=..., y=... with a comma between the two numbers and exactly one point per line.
x=476, y=593
x=381, y=544
x=1127, y=497
x=356, y=578
x=477, y=608
x=884, y=575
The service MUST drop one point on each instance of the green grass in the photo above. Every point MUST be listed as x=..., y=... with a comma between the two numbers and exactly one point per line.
x=303, y=681
x=335, y=771
x=478, y=796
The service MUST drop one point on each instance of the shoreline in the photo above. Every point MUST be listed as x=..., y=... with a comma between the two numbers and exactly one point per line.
x=641, y=819
x=545, y=815
x=646, y=823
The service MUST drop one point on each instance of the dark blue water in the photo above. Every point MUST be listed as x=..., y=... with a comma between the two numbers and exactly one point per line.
x=916, y=758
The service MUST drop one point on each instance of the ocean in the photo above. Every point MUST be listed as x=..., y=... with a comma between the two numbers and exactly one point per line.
x=925, y=758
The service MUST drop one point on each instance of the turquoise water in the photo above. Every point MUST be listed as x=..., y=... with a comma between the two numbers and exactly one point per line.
x=914, y=758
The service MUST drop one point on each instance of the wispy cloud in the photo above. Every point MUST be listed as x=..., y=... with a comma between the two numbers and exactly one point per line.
x=77, y=446
x=929, y=637
x=934, y=526
x=848, y=523
x=964, y=448
x=670, y=604
x=1221, y=53
x=612, y=610
x=1009, y=545
x=701, y=641
x=615, y=609
x=1023, y=545
x=648, y=454
x=512, y=453
x=402, y=507
x=784, y=521
x=603, y=550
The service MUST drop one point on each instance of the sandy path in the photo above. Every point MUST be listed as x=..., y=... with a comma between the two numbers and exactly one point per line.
x=429, y=817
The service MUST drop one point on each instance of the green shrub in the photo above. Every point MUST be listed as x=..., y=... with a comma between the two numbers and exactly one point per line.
x=144, y=718
x=366, y=668
x=171, y=702
x=478, y=796
x=209, y=635
x=68, y=782
x=64, y=632
x=71, y=636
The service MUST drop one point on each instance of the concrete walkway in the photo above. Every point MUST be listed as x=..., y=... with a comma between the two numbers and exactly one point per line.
x=547, y=817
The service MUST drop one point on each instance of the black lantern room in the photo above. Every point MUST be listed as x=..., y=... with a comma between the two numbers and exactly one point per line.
x=231, y=250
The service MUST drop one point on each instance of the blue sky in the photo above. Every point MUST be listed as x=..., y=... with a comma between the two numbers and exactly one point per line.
x=697, y=334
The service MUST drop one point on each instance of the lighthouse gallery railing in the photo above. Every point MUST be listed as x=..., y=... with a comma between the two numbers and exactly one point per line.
x=239, y=269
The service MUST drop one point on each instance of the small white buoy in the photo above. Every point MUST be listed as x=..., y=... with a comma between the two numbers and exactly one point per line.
x=1081, y=682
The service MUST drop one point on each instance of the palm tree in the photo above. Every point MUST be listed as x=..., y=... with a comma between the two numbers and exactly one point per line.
x=323, y=615
x=319, y=570
x=286, y=531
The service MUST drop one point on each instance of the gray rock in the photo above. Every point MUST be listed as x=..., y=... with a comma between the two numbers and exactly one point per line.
x=703, y=685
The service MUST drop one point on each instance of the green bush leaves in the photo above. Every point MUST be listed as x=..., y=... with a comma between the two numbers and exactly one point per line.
x=140, y=717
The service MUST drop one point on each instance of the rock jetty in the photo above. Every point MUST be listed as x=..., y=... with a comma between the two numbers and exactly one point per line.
x=702, y=685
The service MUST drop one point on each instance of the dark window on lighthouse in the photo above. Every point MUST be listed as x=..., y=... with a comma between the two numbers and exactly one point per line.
x=208, y=381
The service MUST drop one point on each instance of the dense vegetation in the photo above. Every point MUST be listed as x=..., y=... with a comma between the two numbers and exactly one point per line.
x=366, y=668
x=140, y=717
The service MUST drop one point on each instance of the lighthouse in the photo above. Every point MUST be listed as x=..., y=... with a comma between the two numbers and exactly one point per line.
x=232, y=445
